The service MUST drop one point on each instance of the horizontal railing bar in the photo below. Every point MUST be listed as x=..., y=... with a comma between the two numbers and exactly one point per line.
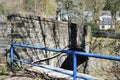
x=45, y=67
x=69, y=52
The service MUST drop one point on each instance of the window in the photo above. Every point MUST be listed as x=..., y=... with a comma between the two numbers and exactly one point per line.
x=102, y=26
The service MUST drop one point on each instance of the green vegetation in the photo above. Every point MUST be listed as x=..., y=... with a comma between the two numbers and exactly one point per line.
x=2, y=9
x=3, y=69
x=40, y=7
x=113, y=6
x=29, y=5
x=3, y=72
x=36, y=7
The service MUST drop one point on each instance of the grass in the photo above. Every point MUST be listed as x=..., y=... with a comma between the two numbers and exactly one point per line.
x=101, y=38
x=3, y=71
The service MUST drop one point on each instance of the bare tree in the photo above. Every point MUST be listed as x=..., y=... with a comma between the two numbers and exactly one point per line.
x=95, y=6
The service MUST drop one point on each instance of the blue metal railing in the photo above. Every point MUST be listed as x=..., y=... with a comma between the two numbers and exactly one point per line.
x=74, y=53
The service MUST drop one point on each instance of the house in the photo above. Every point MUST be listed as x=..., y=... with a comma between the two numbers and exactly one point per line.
x=106, y=24
x=106, y=21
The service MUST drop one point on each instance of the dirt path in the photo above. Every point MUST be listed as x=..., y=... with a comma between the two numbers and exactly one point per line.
x=20, y=75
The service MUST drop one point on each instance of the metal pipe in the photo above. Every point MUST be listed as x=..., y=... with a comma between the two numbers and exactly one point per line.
x=69, y=52
x=11, y=56
x=49, y=68
x=74, y=67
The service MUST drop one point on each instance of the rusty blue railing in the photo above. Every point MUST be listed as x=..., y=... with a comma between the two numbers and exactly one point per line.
x=74, y=53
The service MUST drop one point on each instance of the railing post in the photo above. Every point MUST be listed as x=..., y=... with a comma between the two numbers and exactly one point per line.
x=11, y=56
x=74, y=66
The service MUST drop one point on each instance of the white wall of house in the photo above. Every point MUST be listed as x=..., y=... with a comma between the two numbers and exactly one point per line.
x=106, y=27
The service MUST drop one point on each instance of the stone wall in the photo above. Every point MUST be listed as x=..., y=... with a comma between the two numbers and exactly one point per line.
x=107, y=69
x=44, y=32
x=3, y=38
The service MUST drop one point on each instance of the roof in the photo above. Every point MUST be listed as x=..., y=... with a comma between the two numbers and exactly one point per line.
x=107, y=21
x=104, y=16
